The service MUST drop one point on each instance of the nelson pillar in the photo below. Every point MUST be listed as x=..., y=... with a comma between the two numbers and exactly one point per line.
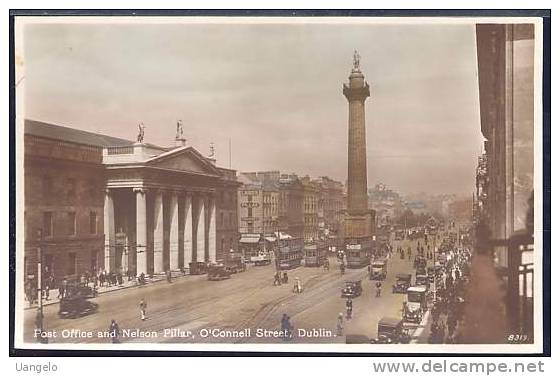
x=359, y=221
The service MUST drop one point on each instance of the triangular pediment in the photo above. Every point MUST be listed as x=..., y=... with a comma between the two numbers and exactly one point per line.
x=185, y=159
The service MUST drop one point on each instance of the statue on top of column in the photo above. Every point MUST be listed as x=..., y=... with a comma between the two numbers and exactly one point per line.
x=212, y=151
x=356, y=60
x=179, y=133
x=140, y=137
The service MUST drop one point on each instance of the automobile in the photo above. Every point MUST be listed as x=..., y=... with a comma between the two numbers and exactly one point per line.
x=217, y=272
x=416, y=304
x=378, y=270
x=262, y=258
x=81, y=289
x=422, y=280
x=352, y=289
x=420, y=262
x=235, y=262
x=75, y=306
x=402, y=283
x=196, y=268
x=391, y=330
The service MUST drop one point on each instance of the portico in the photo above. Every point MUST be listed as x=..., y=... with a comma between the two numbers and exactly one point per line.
x=159, y=208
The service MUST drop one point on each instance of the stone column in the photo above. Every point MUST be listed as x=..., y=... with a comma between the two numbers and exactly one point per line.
x=141, y=232
x=200, y=230
x=174, y=232
x=188, y=232
x=212, y=229
x=109, y=231
x=158, y=232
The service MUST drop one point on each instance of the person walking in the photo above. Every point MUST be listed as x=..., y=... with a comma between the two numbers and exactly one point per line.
x=114, y=332
x=143, y=307
x=340, y=324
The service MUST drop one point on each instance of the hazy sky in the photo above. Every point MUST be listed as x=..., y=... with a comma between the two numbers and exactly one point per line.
x=274, y=89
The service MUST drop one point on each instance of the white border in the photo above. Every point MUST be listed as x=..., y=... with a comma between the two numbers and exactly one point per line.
x=417, y=348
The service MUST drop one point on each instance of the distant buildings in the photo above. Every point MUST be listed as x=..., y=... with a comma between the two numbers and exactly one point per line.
x=304, y=208
x=387, y=203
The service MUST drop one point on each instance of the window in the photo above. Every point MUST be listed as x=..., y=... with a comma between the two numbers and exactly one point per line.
x=93, y=222
x=47, y=224
x=249, y=212
x=71, y=221
x=71, y=267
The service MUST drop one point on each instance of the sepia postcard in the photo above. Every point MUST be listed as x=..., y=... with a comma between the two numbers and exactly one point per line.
x=301, y=184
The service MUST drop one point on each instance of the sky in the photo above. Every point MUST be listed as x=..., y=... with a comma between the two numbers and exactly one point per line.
x=273, y=90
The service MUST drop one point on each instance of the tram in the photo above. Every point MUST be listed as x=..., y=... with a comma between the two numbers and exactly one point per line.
x=315, y=253
x=290, y=252
x=358, y=255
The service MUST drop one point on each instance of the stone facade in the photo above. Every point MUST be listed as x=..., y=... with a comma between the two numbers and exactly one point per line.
x=108, y=203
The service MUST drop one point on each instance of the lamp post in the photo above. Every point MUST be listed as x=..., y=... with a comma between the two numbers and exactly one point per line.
x=39, y=320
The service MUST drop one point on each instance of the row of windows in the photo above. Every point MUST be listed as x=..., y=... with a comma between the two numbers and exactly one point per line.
x=69, y=223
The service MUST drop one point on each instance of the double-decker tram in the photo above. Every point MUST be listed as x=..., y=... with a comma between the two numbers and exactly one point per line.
x=290, y=252
x=315, y=253
x=358, y=253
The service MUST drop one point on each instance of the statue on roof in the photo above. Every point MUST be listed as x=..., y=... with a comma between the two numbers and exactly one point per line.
x=140, y=137
x=356, y=60
x=212, y=151
x=179, y=133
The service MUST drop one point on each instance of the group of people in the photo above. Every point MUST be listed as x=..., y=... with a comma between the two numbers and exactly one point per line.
x=448, y=309
x=280, y=279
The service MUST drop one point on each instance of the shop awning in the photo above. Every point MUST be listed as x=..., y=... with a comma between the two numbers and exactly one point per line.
x=250, y=239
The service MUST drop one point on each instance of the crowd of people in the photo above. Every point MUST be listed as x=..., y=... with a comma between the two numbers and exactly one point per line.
x=451, y=284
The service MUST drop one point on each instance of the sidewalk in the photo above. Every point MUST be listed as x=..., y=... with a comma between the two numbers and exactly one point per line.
x=101, y=290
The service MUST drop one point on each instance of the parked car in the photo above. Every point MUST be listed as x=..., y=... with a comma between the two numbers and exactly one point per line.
x=402, y=283
x=391, y=330
x=76, y=306
x=217, y=272
x=352, y=289
x=416, y=304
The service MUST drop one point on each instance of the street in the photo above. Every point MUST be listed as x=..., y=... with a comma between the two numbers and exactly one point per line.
x=194, y=310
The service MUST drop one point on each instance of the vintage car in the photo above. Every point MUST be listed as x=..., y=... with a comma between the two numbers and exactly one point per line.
x=402, y=283
x=416, y=304
x=352, y=289
x=235, y=262
x=420, y=262
x=74, y=306
x=196, y=268
x=217, y=272
x=422, y=280
x=391, y=330
x=378, y=270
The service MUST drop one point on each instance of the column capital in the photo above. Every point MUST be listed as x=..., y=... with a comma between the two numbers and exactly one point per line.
x=139, y=190
x=107, y=191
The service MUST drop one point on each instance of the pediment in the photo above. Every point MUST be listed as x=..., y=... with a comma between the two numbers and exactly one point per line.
x=183, y=159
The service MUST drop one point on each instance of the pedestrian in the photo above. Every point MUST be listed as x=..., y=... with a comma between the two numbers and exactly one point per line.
x=47, y=291
x=64, y=287
x=286, y=326
x=339, y=324
x=114, y=332
x=143, y=307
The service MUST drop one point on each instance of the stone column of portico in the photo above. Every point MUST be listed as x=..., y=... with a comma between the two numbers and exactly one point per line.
x=211, y=229
x=158, y=233
x=188, y=232
x=174, y=231
x=200, y=229
x=109, y=231
x=141, y=232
